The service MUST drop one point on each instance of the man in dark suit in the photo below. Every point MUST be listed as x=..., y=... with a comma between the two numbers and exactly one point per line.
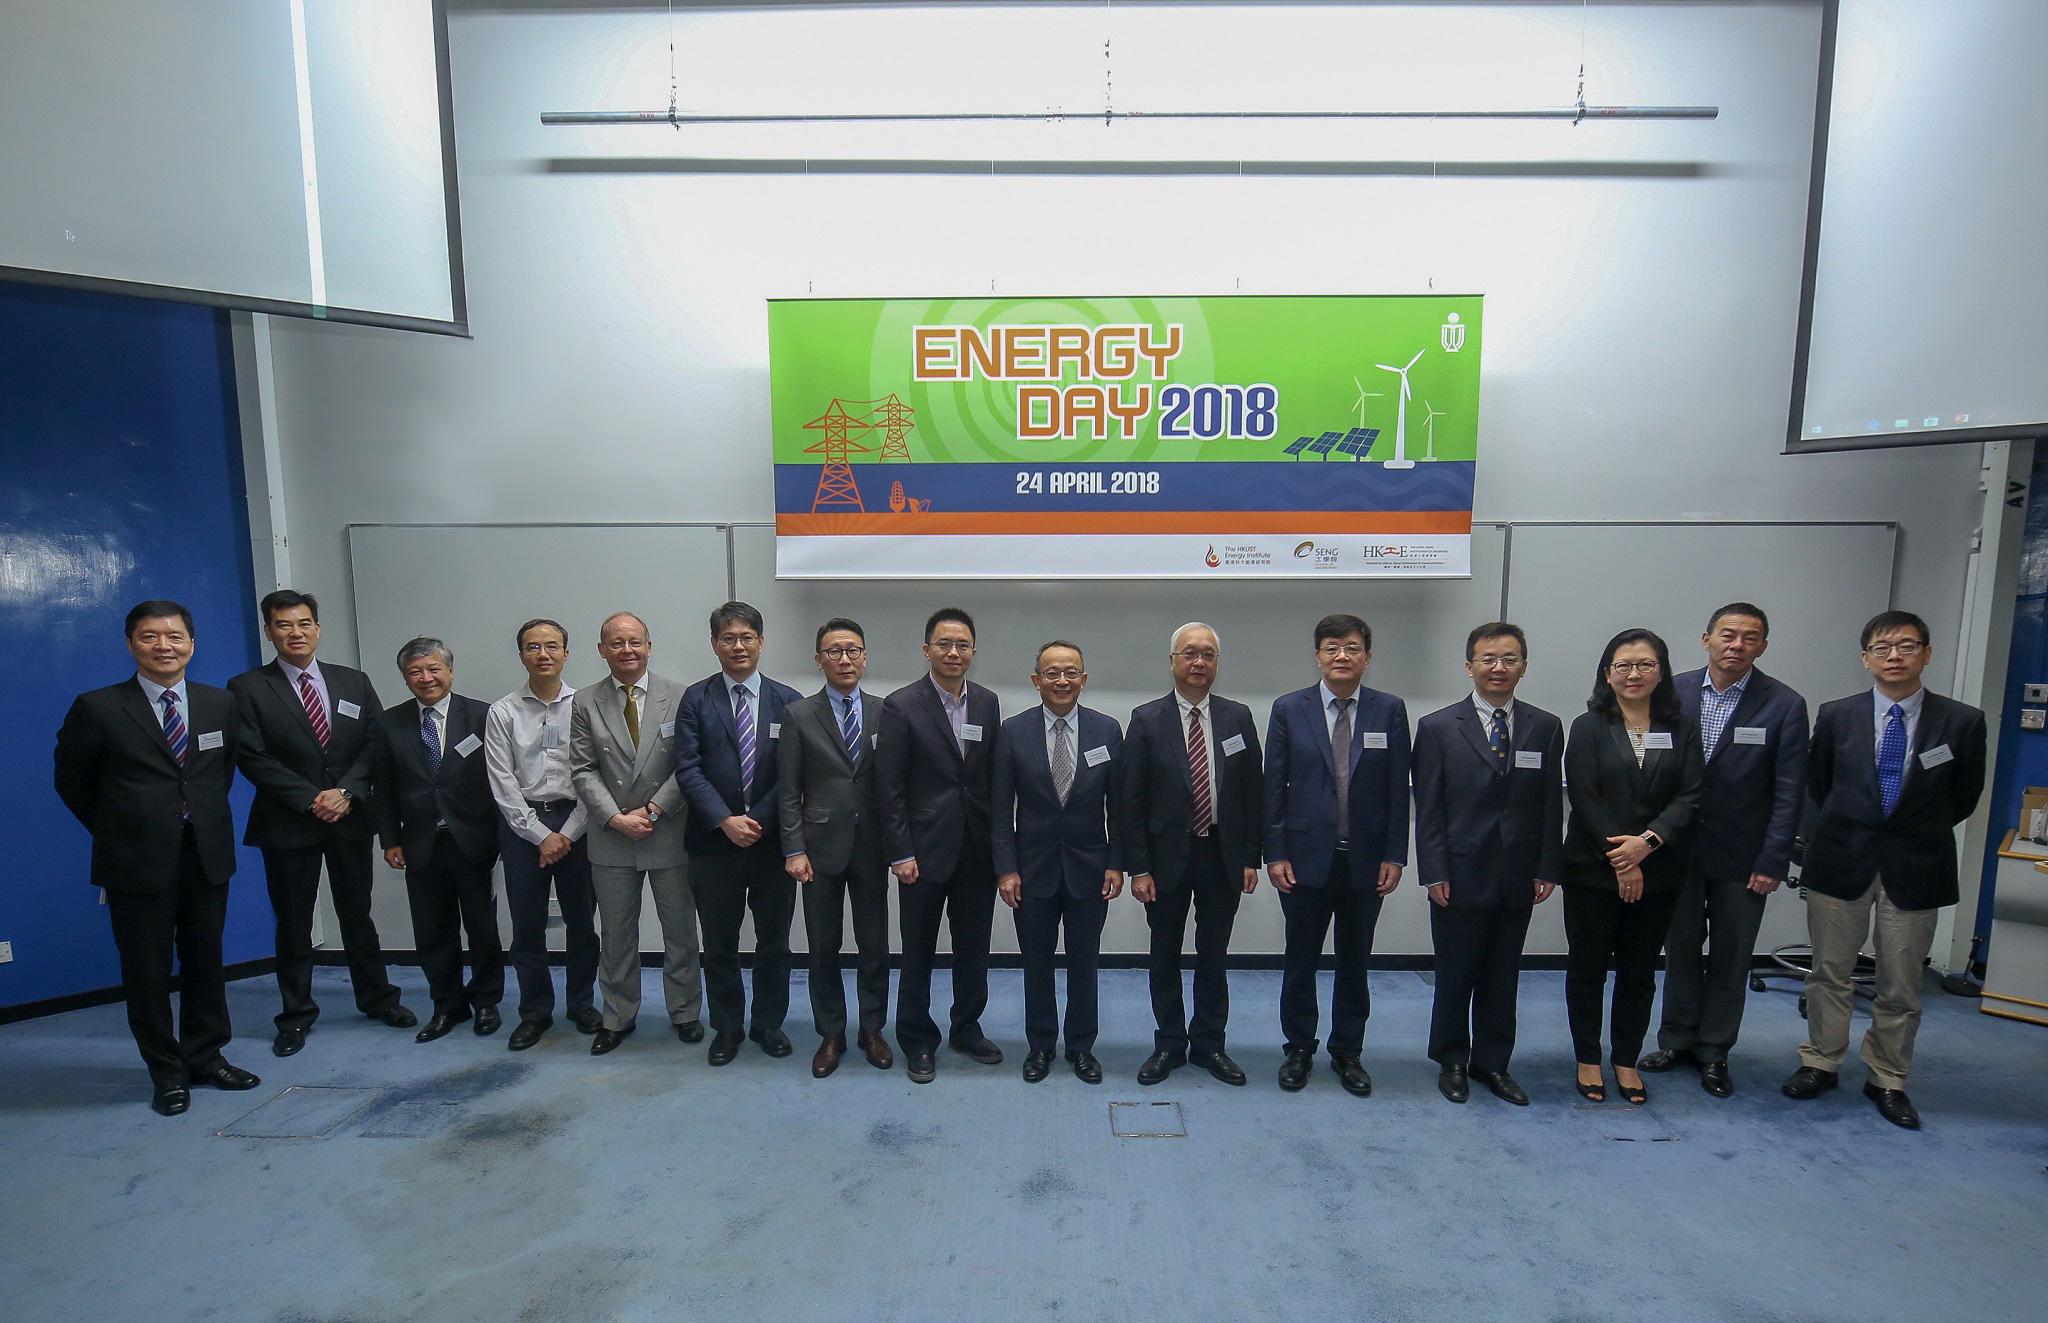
x=726, y=764
x=934, y=762
x=1753, y=737
x=308, y=745
x=1489, y=846
x=1055, y=835
x=832, y=842
x=1892, y=771
x=145, y=765
x=440, y=825
x=1192, y=823
x=1336, y=839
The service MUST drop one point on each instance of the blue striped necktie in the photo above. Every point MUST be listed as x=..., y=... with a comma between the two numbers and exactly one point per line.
x=849, y=726
x=174, y=725
x=743, y=718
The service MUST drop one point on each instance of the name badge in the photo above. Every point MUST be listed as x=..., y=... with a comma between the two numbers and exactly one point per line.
x=1657, y=739
x=210, y=740
x=1375, y=739
x=1936, y=756
x=668, y=730
x=970, y=731
x=1097, y=756
x=774, y=730
x=347, y=709
x=469, y=745
x=1749, y=734
x=551, y=735
x=1529, y=758
x=1235, y=744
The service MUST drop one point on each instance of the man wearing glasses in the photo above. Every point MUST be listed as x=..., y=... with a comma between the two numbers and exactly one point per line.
x=1891, y=772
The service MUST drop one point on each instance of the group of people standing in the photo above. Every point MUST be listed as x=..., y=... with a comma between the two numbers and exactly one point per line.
x=737, y=795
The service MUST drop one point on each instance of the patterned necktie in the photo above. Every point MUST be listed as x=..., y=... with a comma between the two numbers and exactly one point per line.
x=632, y=713
x=743, y=718
x=174, y=725
x=1497, y=739
x=1340, y=751
x=1891, y=759
x=315, y=712
x=430, y=740
x=1198, y=773
x=849, y=726
x=1062, y=761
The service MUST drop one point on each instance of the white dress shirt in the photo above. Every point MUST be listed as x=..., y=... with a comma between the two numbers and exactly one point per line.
x=440, y=711
x=1486, y=711
x=526, y=755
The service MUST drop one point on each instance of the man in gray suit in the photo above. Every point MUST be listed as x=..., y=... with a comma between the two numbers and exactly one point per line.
x=832, y=842
x=622, y=759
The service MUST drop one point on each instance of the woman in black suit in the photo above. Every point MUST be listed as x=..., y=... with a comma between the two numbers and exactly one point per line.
x=1632, y=771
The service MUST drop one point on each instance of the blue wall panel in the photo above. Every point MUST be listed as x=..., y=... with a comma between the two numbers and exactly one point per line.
x=122, y=469
x=2022, y=754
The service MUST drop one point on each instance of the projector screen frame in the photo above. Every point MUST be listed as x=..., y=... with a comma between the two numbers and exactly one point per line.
x=458, y=301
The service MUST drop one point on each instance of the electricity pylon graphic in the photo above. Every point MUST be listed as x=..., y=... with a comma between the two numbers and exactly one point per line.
x=837, y=489
x=893, y=416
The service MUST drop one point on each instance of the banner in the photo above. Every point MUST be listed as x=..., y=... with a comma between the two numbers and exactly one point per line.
x=1059, y=438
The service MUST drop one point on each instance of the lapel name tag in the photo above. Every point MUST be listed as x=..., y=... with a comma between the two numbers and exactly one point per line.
x=469, y=745
x=774, y=730
x=1235, y=744
x=1936, y=756
x=210, y=740
x=1097, y=756
x=1529, y=758
x=1375, y=739
x=551, y=735
x=668, y=730
x=347, y=709
x=1749, y=734
x=970, y=731
x=1657, y=739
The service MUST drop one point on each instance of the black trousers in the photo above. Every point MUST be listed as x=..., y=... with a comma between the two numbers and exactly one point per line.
x=526, y=896
x=1213, y=894
x=293, y=877
x=1309, y=912
x=825, y=901
x=1478, y=975
x=1039, y=920
x=726, y=887
x=1704, y=992
x=450, y=896
x=1602, y=934
x=186, y=916
x=966, y=902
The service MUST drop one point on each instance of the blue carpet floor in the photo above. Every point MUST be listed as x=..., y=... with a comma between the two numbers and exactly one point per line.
x=455, y=1180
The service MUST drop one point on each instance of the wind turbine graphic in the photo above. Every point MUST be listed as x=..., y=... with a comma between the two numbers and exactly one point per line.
x=1358, y=405
x=1400, y=459
x=1430, y=413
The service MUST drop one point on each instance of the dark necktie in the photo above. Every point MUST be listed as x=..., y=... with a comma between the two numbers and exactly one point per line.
x=1340, y=751
x=174, y=725
x=1062, y=761
x=849, y=726
x=632, y=714
x=316, y=712
x=1891, y=759
x=1198, y=773
x=430, y=741
x=1498, y=739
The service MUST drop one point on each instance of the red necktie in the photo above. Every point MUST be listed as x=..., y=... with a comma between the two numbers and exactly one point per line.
x=1198, y=772
x=315, y=713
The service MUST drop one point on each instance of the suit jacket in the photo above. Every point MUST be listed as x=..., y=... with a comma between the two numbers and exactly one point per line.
x=1301, y=787
x=1490, y=831
x=411, y=801
x=1158, y=795
x=282, y=758
x=1057, y=847
x=1914, y=848
x=935, y=800
x=708, y=762
x=612, y=776
x=1751, y=795
x=831, y=807
x=1611, y=796
x=118, y=777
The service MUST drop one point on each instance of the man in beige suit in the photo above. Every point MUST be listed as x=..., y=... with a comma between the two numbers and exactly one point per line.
x=622, y=760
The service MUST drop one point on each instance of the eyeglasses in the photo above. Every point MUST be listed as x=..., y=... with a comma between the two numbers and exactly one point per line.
x=1491, y=660
x=1341, y=650
x=851, y=651
x=1896, y=649
x=536, y=649
x=614, y=644
x=951, y=645
x=1059, y=673
x=738, y=640
x=1632, y=668
x=1193, y=655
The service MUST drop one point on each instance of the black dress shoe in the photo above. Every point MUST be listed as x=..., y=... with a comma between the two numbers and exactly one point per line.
x=1086, y=1068
x=1451, y=1083
x=588, y=1020
x=526, y=1034
x=1351, y=1074
x=1037, y=1065
x=487, y=1021
x=288, y=1042
x=1809, y=1082
x=920, y=1067
x=1221, y=1066
x=398, y=1017
x=1665, y=1058
x=691, y=1031
x=438, y=1024
x=1893, y=1105
x=604, y=1040
x=1502, y=1086
x=724, y=1047
x=774, y=1042
x=170, y=1099
x=1294, y=1071
x=1159, y=1065
x=1715, y=1079
x=987, y=1053
x=221, y=1075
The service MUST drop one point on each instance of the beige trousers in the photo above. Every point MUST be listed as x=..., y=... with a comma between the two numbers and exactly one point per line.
x=1838, y=929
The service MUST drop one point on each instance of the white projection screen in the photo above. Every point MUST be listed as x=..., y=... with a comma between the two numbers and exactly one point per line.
x=1924, y=309
x=285, y=156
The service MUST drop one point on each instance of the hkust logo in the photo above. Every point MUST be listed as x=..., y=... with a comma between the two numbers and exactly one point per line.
x=1212, y=560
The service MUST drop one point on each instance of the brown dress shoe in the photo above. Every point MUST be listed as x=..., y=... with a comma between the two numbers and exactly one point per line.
x=877, y=1049
x=827, y=1060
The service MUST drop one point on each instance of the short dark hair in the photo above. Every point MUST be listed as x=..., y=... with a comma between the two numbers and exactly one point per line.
x=155, y=606
x=1663, y=699
x=1039, y=656
x=1496, y=629
x=839, y=623
x=519, y=639
x=1342, y=624
x=284, y=599
x=736, y=612
x=1740, y=609
x=1885, y=621
x=944, y=614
